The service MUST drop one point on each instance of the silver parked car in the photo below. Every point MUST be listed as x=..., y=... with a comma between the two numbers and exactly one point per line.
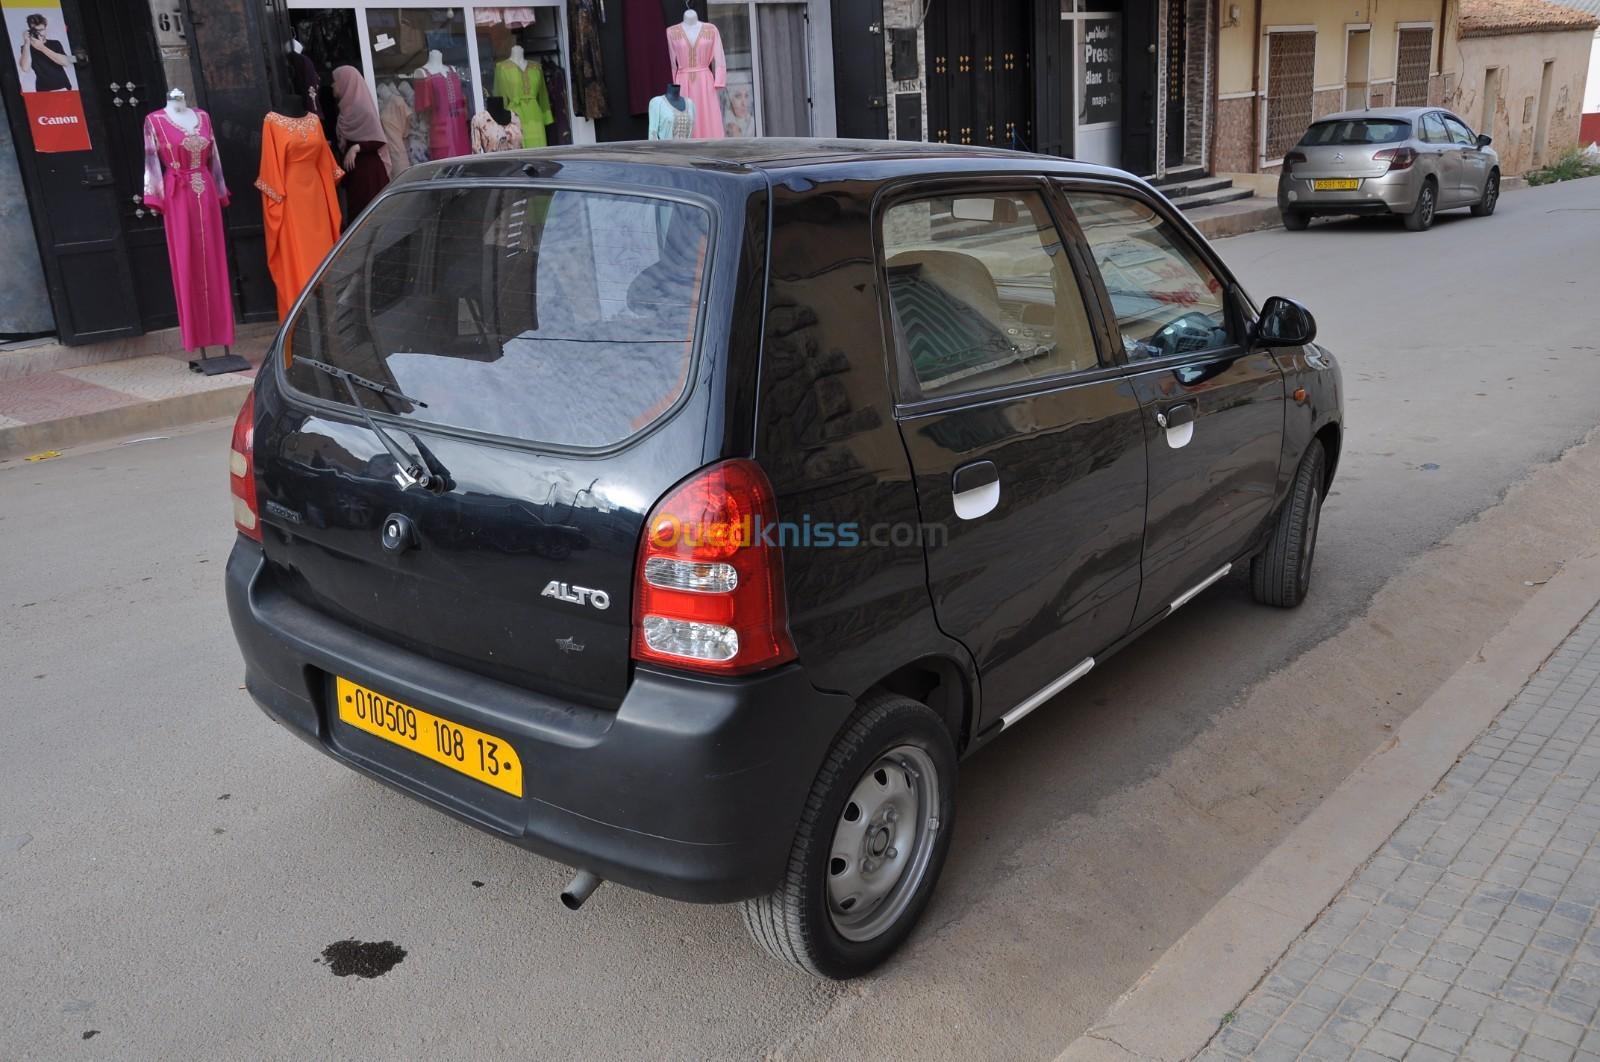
x=1411, y=161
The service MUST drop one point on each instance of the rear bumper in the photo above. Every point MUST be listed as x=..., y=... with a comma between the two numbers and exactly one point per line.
x=1394, y=193
x=691, y=789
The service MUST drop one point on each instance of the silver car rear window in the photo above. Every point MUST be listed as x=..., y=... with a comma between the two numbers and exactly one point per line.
x=558, y=316
x=1357, y=131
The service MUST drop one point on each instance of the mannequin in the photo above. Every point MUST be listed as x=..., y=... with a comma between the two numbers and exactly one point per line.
x=521, y=85
x=700, y=68
x=440, y=96
x=671, y=116
x=496, y=128
x=183, y=183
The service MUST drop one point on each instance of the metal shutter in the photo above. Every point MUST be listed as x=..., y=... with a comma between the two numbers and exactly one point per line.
x=1411, y=74
x=1291, y=64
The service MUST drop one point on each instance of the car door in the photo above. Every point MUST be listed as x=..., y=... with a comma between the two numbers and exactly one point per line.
x=1212, y=410
x=1473, y=171
x=1445, y=155
x=1025, y=440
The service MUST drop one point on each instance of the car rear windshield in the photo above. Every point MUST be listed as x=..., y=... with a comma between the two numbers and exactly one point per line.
x=1356, y=131
x=557, y=316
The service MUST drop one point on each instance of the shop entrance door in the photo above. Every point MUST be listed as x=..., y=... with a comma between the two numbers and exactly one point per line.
x=980, y=85
x=128, y=84
x=1096, y=47
x=75, y=200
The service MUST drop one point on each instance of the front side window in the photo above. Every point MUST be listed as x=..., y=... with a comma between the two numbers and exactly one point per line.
x=1459, y=133
x=1166, y=300
x=983, y=292
x=554, y=316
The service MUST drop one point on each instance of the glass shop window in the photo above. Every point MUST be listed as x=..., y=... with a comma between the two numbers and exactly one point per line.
x=534, y=89
x=769, y=82
x=438, y=91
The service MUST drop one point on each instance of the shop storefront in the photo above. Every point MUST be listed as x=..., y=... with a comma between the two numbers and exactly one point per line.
x=568, y=71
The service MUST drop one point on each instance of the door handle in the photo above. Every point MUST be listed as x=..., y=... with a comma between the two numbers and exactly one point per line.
x=1178, y=420
x=975, y=489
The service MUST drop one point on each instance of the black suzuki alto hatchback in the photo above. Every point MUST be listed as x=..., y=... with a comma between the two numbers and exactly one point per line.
x=685, y=512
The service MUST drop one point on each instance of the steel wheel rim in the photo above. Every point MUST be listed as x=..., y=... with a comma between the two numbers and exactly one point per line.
x=883, y=843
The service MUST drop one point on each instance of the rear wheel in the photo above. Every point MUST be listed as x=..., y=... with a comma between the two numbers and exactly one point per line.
x=1280, y=575
x=1296, y=220
x=1491, y=196
x=1421, y=217
x=871, y=842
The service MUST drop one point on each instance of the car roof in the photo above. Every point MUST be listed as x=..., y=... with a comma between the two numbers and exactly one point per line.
x=765, y=154
x=1407, y=114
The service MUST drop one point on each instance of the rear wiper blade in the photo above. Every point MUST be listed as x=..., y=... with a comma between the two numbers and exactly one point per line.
x=361, y=381
x=409, y=471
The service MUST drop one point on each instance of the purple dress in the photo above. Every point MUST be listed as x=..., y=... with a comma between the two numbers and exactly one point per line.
x=183, y=183
x=440, y=97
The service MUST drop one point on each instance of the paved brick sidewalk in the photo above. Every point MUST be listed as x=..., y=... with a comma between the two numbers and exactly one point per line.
x=1472, y=933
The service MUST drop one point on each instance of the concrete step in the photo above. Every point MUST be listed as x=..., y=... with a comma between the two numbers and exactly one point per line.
x=27, y=357
x=1227, y=194
x=1196, y=186
x=1180, y=175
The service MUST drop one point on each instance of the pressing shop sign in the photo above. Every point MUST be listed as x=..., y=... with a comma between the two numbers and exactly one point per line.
x=1102, y=71
x=47, y=72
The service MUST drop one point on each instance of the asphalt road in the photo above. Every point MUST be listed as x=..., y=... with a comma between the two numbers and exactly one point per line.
x=172, y=864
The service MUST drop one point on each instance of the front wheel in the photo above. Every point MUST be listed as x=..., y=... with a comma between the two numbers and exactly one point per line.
x=871, y=842
x=1421, y=217
x=1281, y=574
x=1491, y=197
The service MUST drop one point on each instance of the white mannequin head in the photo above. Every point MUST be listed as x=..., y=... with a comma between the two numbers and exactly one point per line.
x=177, y=102
x=435, y=59
x=516, y=53
x=689, y=16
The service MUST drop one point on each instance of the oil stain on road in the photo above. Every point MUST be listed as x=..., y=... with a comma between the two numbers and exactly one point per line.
x=362, y=958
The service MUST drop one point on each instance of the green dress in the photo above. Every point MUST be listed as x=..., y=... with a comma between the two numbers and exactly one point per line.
x=526, y=97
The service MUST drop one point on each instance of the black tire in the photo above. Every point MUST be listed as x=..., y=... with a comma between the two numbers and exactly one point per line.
x=1421, y=217
x=1280, y=575
x=1491, y=196
x=1296, y=220
x=796, y=922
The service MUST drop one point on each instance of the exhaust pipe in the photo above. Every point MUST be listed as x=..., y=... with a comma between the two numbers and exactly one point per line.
x=579, y=889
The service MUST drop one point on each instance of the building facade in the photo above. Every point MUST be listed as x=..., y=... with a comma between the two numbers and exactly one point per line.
x=1285, y=63
x=1524, y=67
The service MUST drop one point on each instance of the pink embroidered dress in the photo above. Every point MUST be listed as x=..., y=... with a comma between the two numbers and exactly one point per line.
x=441, y=98
x=183, y=183
x=692, y=71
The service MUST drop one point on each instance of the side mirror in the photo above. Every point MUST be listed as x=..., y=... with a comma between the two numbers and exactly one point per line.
x=1284, y=323
x=1484, y=140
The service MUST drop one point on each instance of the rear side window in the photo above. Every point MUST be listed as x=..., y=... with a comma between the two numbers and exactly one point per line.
x=983, y=293
x=554, y=316
x=1355, y=131
x=1433, y=130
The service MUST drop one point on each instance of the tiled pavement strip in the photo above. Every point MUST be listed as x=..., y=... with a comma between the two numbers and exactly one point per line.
x=1472, y=933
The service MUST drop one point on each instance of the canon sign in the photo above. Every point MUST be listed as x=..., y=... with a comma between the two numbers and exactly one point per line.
x=58, y=119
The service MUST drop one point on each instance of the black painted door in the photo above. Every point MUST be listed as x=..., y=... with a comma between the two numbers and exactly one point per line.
x=979, y=69
x=858, y=69
x=1139, y=62
x=129, y=84
x=76, y=205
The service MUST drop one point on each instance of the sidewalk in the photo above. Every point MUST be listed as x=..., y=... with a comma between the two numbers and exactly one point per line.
x=1472, y=932
x=60, y=401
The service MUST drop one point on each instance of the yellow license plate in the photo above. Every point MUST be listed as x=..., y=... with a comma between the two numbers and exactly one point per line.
x=1339, y=184
x=471, y=752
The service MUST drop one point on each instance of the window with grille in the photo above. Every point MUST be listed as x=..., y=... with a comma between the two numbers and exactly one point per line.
x=1291, y=63
x=1411, y=73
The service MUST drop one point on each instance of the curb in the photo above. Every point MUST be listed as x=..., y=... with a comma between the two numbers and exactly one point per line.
x=131, y=419
x=1174, y=1009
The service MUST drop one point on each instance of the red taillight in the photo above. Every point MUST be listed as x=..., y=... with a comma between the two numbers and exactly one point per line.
x=708, y=590
x=1399, y=158
x=242, y=470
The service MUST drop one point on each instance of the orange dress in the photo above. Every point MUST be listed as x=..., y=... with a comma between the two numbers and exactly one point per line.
x=298, y=200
